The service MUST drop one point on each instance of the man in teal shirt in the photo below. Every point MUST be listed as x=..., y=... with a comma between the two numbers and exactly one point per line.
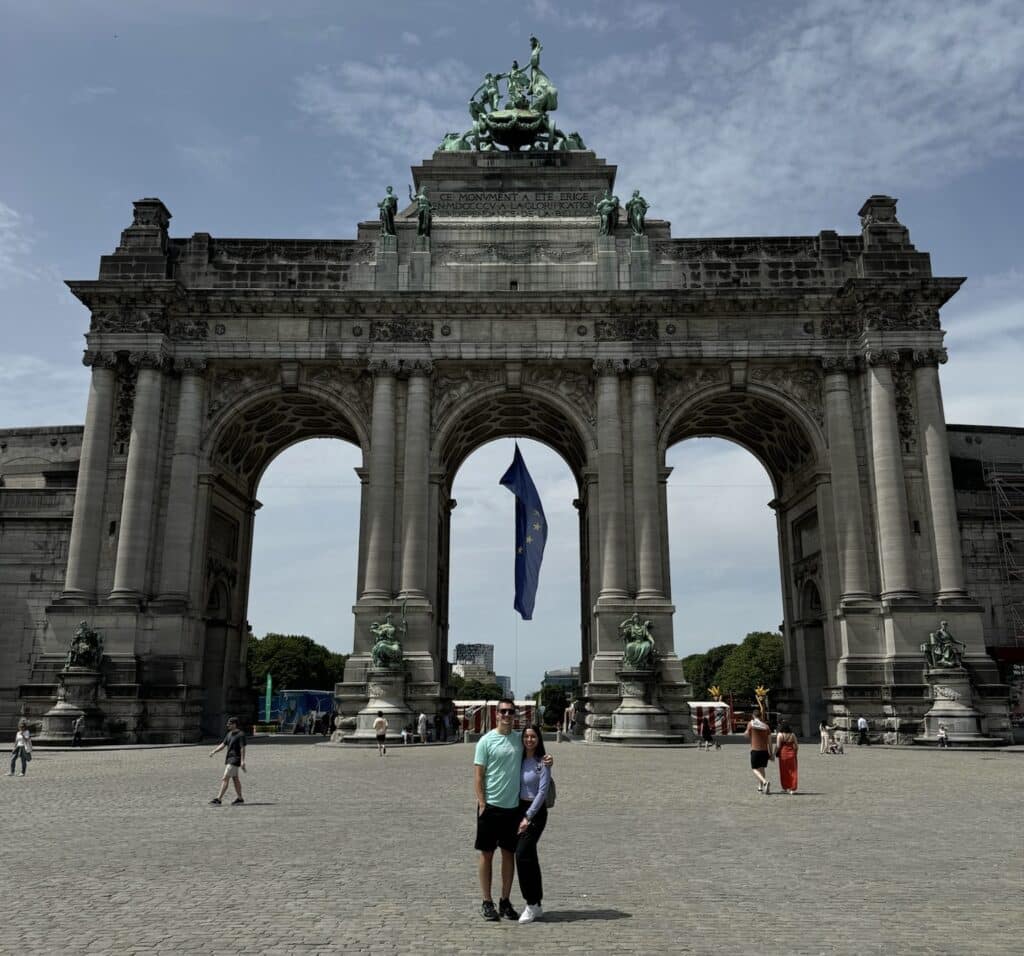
x=497, y=772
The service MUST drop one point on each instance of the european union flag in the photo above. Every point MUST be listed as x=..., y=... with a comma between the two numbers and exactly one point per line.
x=531, y=533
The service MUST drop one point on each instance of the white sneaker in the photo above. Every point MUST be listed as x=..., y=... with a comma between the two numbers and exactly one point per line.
x=530, y=913
x=768, y=787
x=538, y=911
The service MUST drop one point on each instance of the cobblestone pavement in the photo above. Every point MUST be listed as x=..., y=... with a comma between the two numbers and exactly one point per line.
x=674, y=851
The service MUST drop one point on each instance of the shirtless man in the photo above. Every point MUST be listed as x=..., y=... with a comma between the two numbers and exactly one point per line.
x=760, y=736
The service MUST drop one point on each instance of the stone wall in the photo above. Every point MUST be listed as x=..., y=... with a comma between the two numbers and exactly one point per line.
x=38, y=468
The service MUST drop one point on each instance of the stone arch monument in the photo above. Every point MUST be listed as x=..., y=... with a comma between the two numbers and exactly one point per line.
x=514, y=296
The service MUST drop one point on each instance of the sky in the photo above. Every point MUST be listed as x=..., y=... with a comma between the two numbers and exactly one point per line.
x=254, y=118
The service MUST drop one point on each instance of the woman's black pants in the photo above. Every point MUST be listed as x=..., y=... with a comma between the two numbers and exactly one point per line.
x=20, y=752
x=527, y=864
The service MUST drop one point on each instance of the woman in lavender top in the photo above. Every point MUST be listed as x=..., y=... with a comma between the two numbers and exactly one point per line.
x=533, y=791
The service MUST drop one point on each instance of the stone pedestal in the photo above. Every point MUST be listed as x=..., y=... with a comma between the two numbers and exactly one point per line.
x=953, y=706
x=76, y=697
x=640, y=274
x=419, y=264
x=636, y=720
x=386, y=279
x=607, y=263
x=385, y=690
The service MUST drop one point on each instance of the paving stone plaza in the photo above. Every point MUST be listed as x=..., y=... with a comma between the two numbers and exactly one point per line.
x=886, y=850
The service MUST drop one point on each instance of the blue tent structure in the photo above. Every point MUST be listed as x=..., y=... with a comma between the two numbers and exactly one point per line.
x=289, y=708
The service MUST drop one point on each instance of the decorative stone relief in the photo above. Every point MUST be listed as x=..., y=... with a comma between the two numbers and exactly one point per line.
x=610, y=366
x=675, y=384
x=882, y=357
x=449, y=388
x=229, y=383
x=903, y=384
x=99, y=359
x=945, y=693
x=354, y=388
x=128, y=319
x=626, y=329
x=841, y=326
x=190, y=366
x=839, y=363
x=401, y=330
x=228, y=251
x=801, y=384
x=149, y=360
x=924, y=357
x=574, y=386
x=190, y=329
x=124, y=405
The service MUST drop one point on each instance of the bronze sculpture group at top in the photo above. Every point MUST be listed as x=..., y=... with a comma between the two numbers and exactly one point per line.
x=522, y=121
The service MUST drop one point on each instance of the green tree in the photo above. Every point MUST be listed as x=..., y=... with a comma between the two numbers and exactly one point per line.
x=474, y=689
x=758, y=660
x=701, y=670
x=293, y=661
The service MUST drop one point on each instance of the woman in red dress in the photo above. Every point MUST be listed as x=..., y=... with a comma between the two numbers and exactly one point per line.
x=786, y=747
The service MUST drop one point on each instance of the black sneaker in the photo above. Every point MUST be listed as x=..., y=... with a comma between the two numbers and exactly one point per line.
x=215, y=801
x=505, y=909
x=237, y=800
x=488, y=911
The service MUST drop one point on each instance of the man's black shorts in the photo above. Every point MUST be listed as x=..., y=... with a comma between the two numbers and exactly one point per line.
x=498, y=826
x=758, y=759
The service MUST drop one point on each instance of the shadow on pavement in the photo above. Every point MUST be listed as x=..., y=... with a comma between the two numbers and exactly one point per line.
x=578, y=916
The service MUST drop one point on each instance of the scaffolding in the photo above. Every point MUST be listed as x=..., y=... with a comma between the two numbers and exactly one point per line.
x=1006, y=484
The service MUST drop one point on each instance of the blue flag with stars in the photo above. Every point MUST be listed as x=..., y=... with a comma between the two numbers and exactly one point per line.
x=531, y=533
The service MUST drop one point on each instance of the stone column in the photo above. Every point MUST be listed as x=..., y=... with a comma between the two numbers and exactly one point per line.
x=646, y=513
x=133, y=541
x=889, y=484
x=87, y=524
x=416, y=483
x=846, y=491
x=611, y=485
x=381, y=516
x=184, y=485
x=939, y=476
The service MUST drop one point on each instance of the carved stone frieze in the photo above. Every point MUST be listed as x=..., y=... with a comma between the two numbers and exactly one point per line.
x=684, y=250
x=229, y=383
x=841, y=326
x=220, y=568
x=401, y=330
x=801, y=384
x=354, y=388
x=676, y=384
x=128, y=319
x=626, y=329
x=190, y=328
x=249, y=250
x=575, y=386
x=451, y=387
x=839, y=363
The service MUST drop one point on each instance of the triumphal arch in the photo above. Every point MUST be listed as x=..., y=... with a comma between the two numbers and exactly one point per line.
x=515, y=295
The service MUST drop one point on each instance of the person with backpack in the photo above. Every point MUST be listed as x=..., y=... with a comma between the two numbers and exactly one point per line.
x=534, y=790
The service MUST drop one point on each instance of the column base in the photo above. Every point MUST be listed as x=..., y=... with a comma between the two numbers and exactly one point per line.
x=125, y=596
x=613, y=595
x=375, y=597
x=954, y=596
x=856, y=598
x=74, y=596
x=892, y=597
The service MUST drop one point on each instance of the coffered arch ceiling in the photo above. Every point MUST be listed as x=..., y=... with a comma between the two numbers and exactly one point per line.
x=513, y=416
x=261, y=431
x=763, y=427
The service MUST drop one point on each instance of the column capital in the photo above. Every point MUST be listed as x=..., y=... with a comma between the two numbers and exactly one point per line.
x=924, y=357
x=643, y=366
x=838, y=364
x=151, y=360
x=384, y=366
x=190, y=366
x=609, y=367
x=93, y=359
x=880, y=357
x=417, y=368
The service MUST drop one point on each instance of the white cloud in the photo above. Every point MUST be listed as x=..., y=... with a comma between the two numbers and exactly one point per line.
x=409, y=38
x=213, y=160
x=826, y=103
x=34, y=391
x=89, y=94
x=15, y=246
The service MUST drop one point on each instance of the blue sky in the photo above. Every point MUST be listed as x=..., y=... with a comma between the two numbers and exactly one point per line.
x=273, y=119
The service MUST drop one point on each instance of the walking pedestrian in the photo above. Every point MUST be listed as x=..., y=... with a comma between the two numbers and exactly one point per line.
x=234, y=761
x=22, y=747
x=862, y=730
x=825, y=732
x=77, y=729
x=759, y=734
x=786, y=746
x=380, y=729
x=533, y=791
x=707, y=737
x=421, y=727
x=943, y=736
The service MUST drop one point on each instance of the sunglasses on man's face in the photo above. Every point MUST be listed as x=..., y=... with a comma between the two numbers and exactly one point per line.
x=507, y=713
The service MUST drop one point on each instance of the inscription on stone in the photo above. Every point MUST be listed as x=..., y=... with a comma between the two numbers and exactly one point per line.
x=515, y=203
